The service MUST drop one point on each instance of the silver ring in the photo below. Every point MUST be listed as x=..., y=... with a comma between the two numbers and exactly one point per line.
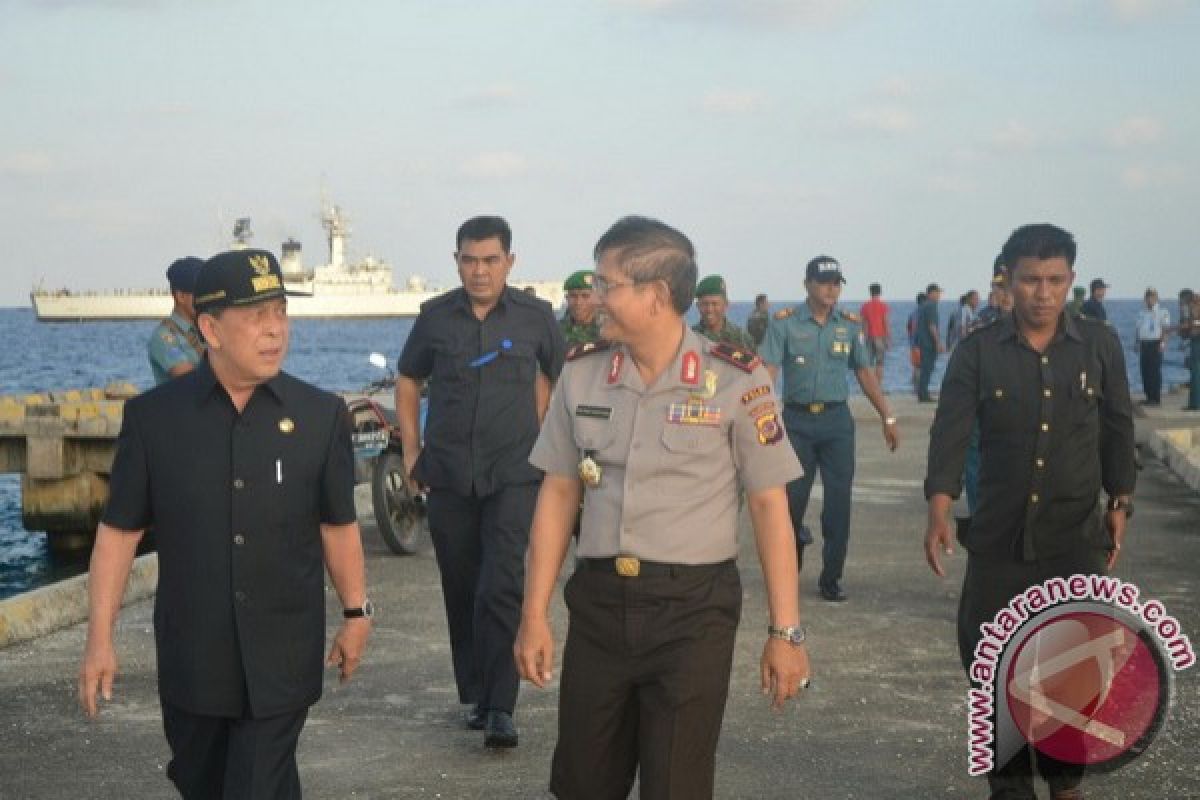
x=804, y=684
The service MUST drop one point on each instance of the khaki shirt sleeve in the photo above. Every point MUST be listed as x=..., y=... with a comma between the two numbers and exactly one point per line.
x=555, y=452
x=761, y=451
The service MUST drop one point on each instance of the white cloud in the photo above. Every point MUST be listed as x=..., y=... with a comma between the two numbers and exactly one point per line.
x=1135, y=131
x=734, y=102
x=816, y=13
x=1150, y=176
x=495, y=94
x=494, y=165
x=888, y=119
x=27, y=164
x=1139, y=10
x=1014, y=137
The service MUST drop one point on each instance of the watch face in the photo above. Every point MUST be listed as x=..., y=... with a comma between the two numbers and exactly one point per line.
x=368, y=609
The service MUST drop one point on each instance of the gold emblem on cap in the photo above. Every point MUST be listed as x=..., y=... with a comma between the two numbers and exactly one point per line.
x=260, y=264
x=286, y=425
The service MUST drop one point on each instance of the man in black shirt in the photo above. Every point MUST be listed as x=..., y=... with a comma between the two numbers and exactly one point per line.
x=246, y=475
x=1094, y=306
x=489, y=353
x=1049, y=392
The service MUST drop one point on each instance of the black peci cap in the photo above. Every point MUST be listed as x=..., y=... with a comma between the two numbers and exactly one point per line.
x=181, y=275
x=824, y=269
x=1098, y=283
x=238, y=278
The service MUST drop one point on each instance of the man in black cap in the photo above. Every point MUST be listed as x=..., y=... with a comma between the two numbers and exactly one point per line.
x=175, y=347
x=929, y=340
x=1094, y=306
x=265, y=497
x=813, y=345
x=489, y=353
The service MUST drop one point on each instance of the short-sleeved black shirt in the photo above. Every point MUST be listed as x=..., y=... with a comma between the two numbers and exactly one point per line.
x=1054, y=428
x=482, y=416
x=236, y=502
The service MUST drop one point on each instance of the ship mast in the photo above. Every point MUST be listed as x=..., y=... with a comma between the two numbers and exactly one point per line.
x=337, y=227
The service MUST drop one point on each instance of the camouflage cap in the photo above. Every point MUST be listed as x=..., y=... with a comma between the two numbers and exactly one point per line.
x=238, y=278
x=578, y=280
x=711, y=284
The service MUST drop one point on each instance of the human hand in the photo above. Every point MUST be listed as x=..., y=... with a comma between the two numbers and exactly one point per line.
x=1115, y=523
x=785, y=670
x=96, y=673
x=534, y=651
x=348, y=646
x=938, y=537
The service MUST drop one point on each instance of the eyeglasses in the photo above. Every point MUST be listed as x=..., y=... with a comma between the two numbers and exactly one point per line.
x=603, y=285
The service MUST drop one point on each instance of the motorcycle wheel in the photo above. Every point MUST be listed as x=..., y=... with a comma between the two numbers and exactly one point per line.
x=399, y=519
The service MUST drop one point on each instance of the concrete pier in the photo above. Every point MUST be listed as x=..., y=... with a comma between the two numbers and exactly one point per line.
x=885, y=717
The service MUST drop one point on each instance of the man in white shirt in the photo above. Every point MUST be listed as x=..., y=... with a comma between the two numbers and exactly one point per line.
x=1152, y=324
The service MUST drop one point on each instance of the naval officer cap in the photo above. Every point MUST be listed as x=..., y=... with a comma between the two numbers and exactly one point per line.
x=711, y=284
x=238, y=278
x=824, y=269
x=181, y=275
x=578, y=280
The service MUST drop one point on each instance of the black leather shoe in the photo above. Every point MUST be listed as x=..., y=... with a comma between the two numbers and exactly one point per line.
x=499, y=731
x=833, y=593
x=476, y=718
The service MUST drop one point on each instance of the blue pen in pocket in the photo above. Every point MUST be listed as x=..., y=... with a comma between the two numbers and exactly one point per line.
x=492, y=355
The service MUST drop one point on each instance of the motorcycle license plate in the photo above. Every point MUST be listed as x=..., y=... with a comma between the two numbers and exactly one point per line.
x=369, y=444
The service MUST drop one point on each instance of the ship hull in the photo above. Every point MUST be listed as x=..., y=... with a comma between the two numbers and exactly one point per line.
x=67, y=307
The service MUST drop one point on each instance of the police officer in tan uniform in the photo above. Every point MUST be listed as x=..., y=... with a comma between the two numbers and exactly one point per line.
x=656, y=429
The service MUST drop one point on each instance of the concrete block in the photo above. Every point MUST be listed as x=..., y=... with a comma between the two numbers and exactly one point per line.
x=42, y=611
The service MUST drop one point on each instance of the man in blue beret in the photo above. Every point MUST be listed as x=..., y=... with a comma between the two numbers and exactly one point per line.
x=176, y=347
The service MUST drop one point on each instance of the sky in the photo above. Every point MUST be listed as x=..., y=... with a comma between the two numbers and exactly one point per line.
x=906, y=139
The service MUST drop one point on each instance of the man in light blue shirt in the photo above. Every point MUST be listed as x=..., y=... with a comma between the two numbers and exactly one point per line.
x=814, y=345
x=176, y=347
x=1152, y=324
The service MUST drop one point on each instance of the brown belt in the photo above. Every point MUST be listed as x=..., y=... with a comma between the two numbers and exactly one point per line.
x=634, y=567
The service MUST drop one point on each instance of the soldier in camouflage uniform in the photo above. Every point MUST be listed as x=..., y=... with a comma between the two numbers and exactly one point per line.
x=712, y=302
x=579, y=324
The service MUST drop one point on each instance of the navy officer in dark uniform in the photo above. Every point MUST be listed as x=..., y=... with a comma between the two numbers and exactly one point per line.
x=814, y=344
x=244, y=524
x=1048, y=392
x=489, y=353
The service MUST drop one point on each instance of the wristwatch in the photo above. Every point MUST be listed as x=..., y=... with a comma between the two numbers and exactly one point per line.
x=889, y=421
x=1119, y=504
x=367, y=609
x=792, y=634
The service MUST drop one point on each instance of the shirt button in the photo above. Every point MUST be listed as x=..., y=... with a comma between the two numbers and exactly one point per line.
x=1041, y=463
x=1046, y=392
x=239, y=540
x=1045, y=360
x=1045, y=426
x=1033, y=498
x=238, y=483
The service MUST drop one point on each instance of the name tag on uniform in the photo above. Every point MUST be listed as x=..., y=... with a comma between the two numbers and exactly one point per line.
x=593, y=412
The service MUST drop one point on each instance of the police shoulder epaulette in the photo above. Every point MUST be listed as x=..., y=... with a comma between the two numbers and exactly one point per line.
x=740, y=357
x=784, y=313
x=577, y=351
x=850, y=316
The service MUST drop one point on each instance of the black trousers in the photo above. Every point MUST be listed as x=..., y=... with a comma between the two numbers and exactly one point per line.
x=645, y=676
x=221, y=758
x=928, y=362
x=989, y=585
x=1150, y=363
x=480, y=544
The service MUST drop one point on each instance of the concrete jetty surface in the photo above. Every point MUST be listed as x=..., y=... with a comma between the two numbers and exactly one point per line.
x=885, y=717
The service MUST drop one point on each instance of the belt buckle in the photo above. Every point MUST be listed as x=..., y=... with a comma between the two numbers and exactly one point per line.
x=816, y=408
x=628, y=566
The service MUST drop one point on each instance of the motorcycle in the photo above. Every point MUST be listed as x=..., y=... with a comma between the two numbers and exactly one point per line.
x=379, y=458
